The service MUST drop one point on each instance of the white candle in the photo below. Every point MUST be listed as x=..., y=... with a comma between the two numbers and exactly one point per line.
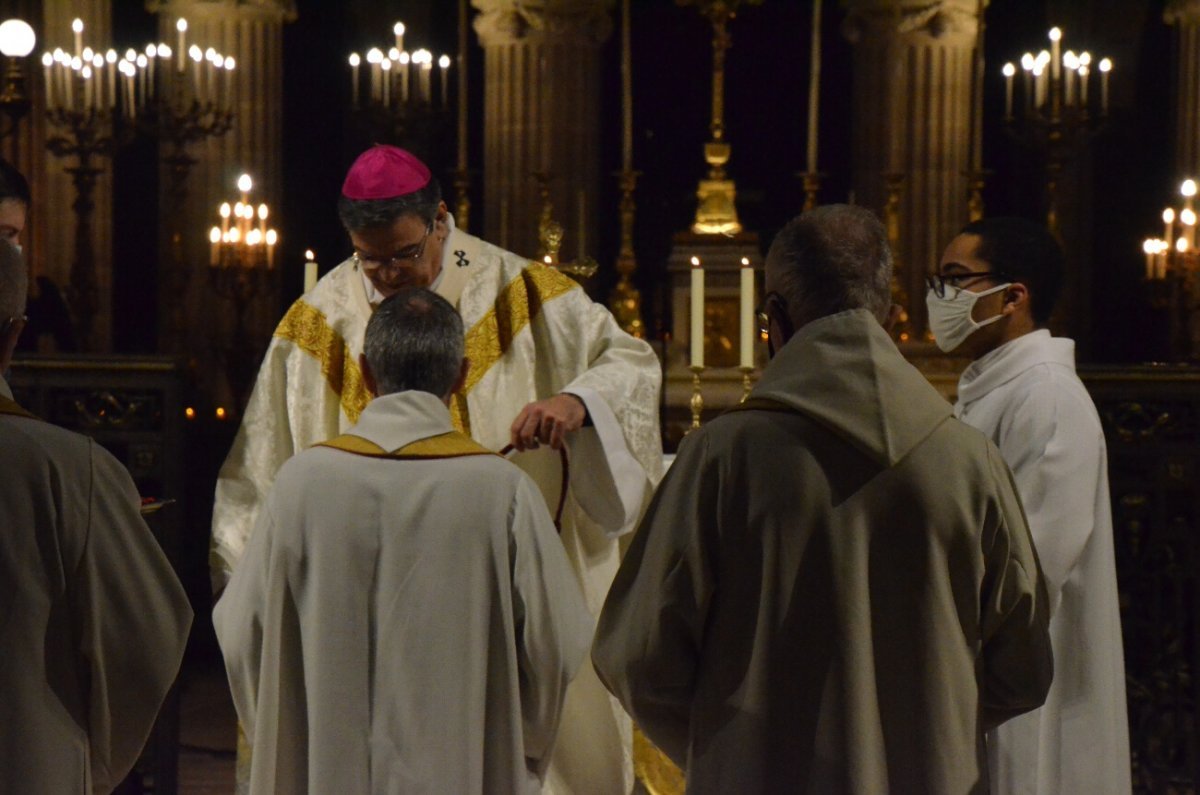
x=1148, y=249
x=582, y=224
x=405, y=59
x=1083, y=85
x=181, y=52
x=1055, y=61
x=626, y=89
x=814, y=87
x=746, y=316
x=47, y=62
x=696, y=337
x=151, y=54
x=1009, y=72
x=386, y=78
x=426, y=79
x=398, y=29
x=310, y=270
x=110, y=61
x=77, y=29
x=355, y=60
x=444, y=65
x=86, y=74
x=1105, y=68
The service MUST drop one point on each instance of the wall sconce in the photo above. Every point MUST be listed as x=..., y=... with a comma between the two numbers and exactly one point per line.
x=17, y=40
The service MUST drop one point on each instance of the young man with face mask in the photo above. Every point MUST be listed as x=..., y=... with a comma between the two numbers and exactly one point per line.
x=991, y=299
x=834, y=589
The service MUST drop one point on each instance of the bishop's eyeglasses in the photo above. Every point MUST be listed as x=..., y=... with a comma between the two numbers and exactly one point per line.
x=400, y=258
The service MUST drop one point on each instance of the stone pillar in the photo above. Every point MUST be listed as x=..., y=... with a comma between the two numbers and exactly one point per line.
x=252, y=32
x=54, y=216
x=1185, y=15
x=541, y=114
x=912, y=118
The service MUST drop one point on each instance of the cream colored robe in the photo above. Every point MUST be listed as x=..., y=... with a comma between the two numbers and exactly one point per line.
x=839, y=597
x=383, y=634
x=93, y=622
x=1026, y=397
x=531, y=333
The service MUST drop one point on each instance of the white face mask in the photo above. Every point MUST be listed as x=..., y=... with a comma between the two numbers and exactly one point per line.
x=950, y=317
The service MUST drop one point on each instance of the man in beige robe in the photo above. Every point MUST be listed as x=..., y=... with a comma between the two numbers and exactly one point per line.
x=549, y=367
x=834, y=589
x=404, y=618
x=93, y=622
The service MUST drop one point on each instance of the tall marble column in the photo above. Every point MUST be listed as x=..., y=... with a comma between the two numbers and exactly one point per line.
x=252, y=32
x=541, y=114
x=912, y=118
x=1185, y=15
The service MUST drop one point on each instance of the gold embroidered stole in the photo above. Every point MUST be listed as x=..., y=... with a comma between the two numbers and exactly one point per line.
x=452, y=444
x=487, y=341
x=11, y=408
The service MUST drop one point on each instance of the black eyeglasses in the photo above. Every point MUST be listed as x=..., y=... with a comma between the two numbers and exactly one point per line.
x=764, y=319
x=398, y=259
x=937, y=282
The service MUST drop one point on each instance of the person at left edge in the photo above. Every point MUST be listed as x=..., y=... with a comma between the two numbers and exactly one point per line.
x=549, y=367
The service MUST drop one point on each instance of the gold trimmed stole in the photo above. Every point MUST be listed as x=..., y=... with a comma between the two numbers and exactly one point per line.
x=11, y=408
x=452, y=444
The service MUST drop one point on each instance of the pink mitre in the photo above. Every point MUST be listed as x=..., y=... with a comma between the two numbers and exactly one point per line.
x=385, y=172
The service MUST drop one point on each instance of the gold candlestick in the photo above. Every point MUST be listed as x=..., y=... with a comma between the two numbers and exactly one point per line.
x=697, y=401
x=462, y=199
x=812, y=184
x=626, y=300
x=746, y=373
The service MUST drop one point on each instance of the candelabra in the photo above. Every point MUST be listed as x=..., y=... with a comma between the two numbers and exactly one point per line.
x=399, y=100
x=190, y=102
x=1173, y=274
x=98, y=100
x=1057, y=115
x=241, y=265
x=17, y=40
x=716, y=212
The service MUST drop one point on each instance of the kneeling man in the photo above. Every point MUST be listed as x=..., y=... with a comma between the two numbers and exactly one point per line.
x=405, y=618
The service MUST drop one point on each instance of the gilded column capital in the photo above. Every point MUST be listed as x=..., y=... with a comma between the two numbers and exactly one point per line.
x=937, y=21
x=510, y=21
x=1182, y=12
x=271, y=10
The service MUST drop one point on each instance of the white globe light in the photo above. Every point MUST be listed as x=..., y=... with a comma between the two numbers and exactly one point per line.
x=17, y=38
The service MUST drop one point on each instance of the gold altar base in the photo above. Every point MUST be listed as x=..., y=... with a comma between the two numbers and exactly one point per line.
x=722, y=388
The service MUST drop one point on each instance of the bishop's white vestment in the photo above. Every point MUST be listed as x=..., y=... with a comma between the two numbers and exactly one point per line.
x=531, y=333
x=382, y=634
x=1026, y=396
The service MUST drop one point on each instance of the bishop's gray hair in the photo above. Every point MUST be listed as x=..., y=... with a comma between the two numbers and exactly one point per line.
x=832, y=259
x=14, y=282
x=414, y=341
x=359, y=214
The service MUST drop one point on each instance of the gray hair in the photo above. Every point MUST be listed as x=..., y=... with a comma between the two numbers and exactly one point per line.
x=832, y=259
x=414, y=341
x=359, y=214
x=14, y=282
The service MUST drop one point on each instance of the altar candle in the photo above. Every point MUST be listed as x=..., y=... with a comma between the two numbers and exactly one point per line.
x=814, y=87
x=110, y=60
x=310, y=270
x=1055, y=61
x=225, y=212
x=386, y=68
x=626, y=90
x=582, y=224
x=426, y=77
x=355, y=60
x=77, y=29
x=47, y=62
x=1009, y=72
x=181, y=52
x=405, y=59
x=444, y=65
x=1083, y=83
x=86, y=74
x=142, y=62
x=214, y=237
x=1168, y=216
x=1105, y=68
x=151, y=54
x=1148, y=249
x=746, y=294
x=196, y=57
x=398, y=29
x=696, y=337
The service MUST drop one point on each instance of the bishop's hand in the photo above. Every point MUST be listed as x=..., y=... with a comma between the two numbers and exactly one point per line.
x=548, y=422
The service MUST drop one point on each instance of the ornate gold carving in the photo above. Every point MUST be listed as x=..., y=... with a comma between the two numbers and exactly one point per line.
x=697, y=402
